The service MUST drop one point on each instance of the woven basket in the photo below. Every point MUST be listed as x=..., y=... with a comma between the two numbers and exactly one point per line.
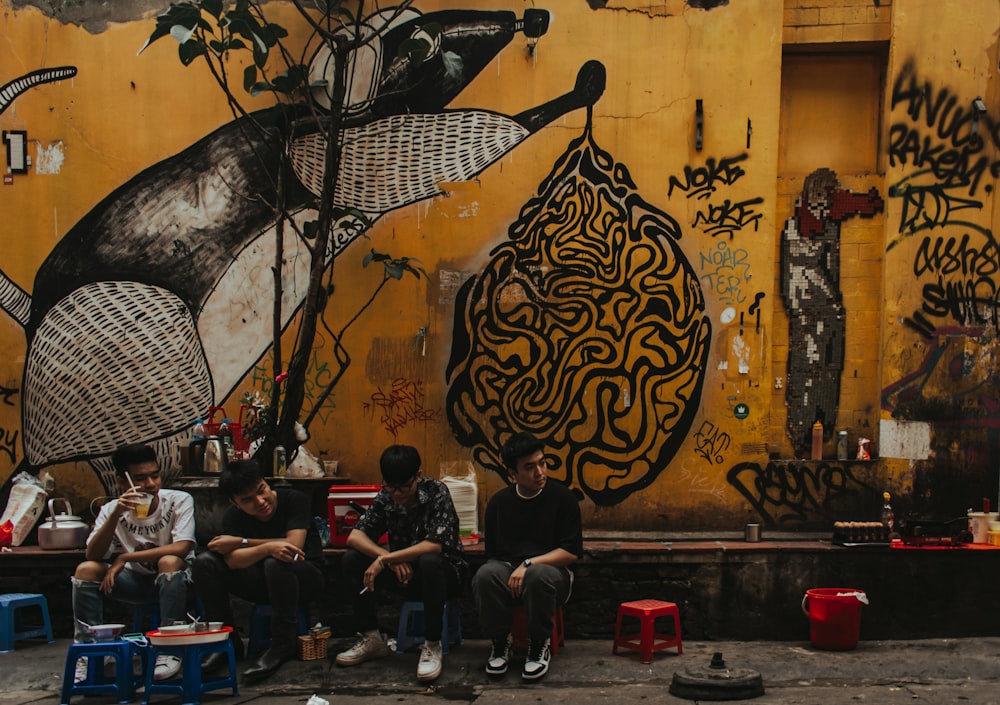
x=311, y=648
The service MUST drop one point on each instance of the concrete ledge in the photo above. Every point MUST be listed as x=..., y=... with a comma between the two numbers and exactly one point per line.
x=726, y=589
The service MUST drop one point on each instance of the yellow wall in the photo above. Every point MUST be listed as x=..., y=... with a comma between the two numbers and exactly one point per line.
x=123, y=113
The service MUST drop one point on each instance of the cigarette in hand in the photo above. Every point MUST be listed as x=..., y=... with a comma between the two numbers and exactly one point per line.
x=363, y=590
x=296, y=557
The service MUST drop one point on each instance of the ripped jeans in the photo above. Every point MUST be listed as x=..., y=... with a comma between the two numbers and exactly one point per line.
x=170, y=590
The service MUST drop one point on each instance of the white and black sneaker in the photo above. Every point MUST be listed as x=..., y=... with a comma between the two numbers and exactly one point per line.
x=536, y=664
x=496, y=664
x=80, y=674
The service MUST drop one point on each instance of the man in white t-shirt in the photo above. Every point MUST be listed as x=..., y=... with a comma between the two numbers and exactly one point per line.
x=138, y=559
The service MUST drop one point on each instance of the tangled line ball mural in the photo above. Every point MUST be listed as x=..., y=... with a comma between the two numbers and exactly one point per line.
x=587, y=328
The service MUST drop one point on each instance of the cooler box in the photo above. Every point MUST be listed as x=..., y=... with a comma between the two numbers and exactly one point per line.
x=343, y=516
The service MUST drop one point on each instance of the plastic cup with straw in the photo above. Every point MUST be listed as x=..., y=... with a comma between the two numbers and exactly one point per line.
x=141, y=510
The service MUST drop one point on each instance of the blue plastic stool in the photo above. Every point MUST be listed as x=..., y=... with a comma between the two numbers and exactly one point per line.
x=9, y=631
x=411, y=625
x=260, y=627
x=189, y=685
x=151, y=611
x=143, y=612
x=123, y=684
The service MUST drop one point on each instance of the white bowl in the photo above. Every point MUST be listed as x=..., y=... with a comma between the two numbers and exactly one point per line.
x=175, y=629
x=106, y=632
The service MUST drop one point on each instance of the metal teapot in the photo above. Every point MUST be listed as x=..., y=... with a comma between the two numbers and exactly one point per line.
x=62, y=531
x=215, y=456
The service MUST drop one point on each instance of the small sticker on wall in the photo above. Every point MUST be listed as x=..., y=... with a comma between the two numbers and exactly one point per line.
x=8, y=179
x=741, y=411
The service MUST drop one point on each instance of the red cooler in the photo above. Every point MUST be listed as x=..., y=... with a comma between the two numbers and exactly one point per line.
x=343, y=516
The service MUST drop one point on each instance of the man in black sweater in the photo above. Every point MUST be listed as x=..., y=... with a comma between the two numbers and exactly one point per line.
x=269, y=552
x=533, y=535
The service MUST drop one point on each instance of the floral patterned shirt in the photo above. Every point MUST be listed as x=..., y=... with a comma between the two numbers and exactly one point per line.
x=433, y=519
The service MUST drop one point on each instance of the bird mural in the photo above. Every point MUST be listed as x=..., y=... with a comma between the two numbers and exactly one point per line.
x=149, y=309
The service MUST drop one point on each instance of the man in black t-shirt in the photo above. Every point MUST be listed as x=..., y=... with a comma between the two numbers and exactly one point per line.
x=269, y=552
x=533, y=535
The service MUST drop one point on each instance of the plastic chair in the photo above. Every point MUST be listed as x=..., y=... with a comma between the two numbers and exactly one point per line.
x=189, y=685
x=146, y=611
x=519, y=628
x=10, y=606
x=123, y=684
x=648, y=640
x=260, y=627
x=411, y=625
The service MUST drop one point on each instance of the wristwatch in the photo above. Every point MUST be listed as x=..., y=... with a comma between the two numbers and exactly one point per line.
x=245, y=541
x=526, y=562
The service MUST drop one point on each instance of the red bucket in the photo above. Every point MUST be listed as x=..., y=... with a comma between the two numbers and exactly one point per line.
x=834, y=617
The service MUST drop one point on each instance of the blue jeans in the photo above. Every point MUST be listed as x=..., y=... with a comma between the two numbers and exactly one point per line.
x=169, y=589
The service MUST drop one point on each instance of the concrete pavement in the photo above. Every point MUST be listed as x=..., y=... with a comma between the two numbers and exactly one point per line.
x=931, y=671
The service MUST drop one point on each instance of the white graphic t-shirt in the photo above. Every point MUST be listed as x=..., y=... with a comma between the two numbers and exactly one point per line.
x=172, y=521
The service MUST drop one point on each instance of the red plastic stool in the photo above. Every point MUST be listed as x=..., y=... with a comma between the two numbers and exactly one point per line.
x=519, y=628
x=648, y=640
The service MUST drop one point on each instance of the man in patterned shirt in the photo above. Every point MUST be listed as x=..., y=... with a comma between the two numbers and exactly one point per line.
x=423, y=561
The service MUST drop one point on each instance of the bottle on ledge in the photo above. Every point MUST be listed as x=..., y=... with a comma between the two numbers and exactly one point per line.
x=888, y=516
x=817, y=440
x=226, y=436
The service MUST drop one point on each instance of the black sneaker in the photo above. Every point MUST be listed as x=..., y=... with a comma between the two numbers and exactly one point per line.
x=496, y=664
x=537, y=663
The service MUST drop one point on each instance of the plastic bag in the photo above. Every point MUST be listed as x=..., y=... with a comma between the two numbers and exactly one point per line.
x=305, y=465
x=25, y=505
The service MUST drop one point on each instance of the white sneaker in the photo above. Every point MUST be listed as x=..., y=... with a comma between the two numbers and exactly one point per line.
x=81, y=671
x=536, y=664
x=166, y=667
x=370, y=645
x=496, y=664
x=429, y=666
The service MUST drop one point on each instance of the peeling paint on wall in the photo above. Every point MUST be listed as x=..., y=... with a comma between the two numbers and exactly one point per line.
x=49, y=158
x=909, y=440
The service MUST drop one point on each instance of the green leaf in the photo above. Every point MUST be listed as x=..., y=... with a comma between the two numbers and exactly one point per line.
x=249, y=77
x=393, y=270
x=181, y=33
x=189, y=51
x=213, y=7
x=258, y=88
x=453, y=64
x=414, y=49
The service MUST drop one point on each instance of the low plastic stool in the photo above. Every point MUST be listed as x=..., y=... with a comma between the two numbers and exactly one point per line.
x=10, y=604
x=411, y=625
x=648, y=640
x=124, y=683
x=260, y=627
x=189, y=685
x=142, y=612
x=519, y=628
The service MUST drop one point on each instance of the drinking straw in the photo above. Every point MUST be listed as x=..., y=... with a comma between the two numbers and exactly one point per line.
x=129, y=478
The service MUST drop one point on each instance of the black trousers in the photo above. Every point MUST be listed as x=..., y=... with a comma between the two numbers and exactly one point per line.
x=282, y=585
x=432, y=583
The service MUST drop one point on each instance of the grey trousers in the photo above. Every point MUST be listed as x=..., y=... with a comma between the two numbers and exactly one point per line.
x=545, y=587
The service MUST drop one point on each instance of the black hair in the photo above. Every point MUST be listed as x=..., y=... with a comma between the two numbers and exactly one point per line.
x=520, y=445
x=398, y=464
x=132, y=454
x=240, y=477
